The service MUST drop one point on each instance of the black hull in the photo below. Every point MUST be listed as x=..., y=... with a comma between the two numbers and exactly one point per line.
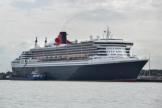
x=98, y=72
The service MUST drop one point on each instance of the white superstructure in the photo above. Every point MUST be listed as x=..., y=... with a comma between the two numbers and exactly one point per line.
x=108, y=49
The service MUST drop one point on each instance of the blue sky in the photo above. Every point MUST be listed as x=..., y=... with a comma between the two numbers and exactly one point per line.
x=137, y=21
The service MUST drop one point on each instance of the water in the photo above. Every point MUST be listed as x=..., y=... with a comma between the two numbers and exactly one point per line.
x=69, y=94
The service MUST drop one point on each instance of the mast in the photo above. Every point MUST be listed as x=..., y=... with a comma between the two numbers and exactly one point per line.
x=45, y=43
x=108, y=33
x=149, y=65
x=36, y=42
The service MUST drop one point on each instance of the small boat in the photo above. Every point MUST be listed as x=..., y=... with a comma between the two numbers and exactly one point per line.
x=35, y=75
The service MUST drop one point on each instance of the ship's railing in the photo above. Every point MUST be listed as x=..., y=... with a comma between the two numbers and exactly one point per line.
x=104, y=58
x=17, y=61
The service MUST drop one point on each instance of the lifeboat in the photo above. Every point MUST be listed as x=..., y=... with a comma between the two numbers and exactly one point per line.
x=40, y=57
x=75, y=56
x=78, y=55
x=63, y=56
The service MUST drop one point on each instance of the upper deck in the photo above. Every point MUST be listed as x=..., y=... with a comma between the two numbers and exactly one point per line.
x=111, y=48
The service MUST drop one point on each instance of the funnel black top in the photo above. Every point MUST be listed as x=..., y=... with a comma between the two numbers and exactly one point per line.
x=63, y=37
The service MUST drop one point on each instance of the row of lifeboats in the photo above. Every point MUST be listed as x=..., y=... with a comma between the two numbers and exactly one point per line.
x=62, y=57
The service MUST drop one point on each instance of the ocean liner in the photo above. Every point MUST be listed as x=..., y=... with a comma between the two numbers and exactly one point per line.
x=93, y=60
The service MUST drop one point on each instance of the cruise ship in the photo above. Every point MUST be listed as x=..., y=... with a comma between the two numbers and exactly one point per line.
x=92, y=60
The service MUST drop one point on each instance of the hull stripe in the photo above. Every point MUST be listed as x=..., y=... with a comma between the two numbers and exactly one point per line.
x=70, y=63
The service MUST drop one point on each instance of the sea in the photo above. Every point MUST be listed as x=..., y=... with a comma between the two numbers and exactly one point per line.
x=79, y=94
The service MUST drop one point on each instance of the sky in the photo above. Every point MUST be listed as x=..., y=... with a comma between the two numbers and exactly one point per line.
x=139, y=21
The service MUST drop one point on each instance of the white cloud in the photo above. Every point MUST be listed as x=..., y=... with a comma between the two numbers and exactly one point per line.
x=135, y=20
x=24, y=0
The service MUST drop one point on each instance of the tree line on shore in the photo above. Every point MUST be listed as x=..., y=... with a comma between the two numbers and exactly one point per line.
x=6, y=73
x=153, y=72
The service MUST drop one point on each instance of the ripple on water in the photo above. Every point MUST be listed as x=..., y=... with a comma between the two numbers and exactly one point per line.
x=62, y=94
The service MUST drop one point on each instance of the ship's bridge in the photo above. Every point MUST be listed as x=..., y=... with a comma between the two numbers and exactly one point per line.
x=113, y=48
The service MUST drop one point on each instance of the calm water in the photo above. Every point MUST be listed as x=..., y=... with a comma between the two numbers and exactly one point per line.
x=62, y=94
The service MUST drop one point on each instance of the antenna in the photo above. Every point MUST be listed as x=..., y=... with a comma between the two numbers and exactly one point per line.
x=108, y=33
x=149, y=65
x=45, y=43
